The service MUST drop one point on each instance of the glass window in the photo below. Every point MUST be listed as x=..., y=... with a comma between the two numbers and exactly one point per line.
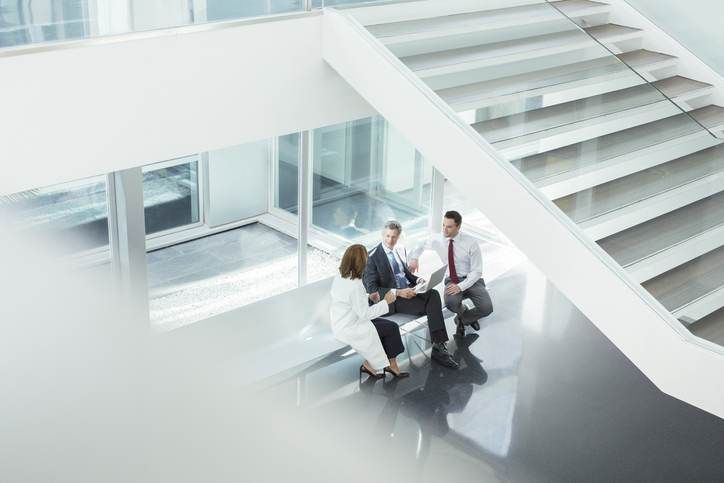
x=332, y=3
x=287, y=173
x=228, y=9
x=171, y=195
x=365, y=173
x=74, y=215
x=221, y=271
x=24, y=22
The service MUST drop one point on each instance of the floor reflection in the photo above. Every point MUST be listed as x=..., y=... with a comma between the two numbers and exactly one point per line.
x=541, y=395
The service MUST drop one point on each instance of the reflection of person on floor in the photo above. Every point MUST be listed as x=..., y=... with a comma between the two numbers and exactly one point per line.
x=443, y=393
x=465, y=272
x=387, y=272
x=356, y=323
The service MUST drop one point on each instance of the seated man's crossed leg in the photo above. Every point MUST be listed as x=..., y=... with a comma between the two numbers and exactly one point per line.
x=482, y=305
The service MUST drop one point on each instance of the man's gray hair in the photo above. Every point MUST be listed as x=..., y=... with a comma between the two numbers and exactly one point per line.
x=393, y=225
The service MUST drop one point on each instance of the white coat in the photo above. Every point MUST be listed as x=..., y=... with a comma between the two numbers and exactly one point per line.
x=351, y=320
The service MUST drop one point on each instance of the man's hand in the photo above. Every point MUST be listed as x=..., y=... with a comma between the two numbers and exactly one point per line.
x=406, y=293
x=452, y=289
x=389, y=297
x=375, y=297
x=413, y=265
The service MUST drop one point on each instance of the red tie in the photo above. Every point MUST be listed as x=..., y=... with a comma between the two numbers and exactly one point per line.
x=451, y=263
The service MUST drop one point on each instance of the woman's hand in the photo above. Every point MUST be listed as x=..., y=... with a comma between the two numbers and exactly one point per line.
x=390, y=297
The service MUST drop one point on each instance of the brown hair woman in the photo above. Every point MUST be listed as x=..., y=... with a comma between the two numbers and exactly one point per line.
x=357, y=323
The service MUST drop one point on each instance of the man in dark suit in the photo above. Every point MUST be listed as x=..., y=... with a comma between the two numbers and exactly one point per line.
x=387, y=270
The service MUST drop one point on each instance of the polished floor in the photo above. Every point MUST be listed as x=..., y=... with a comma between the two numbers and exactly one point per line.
x=542, y=396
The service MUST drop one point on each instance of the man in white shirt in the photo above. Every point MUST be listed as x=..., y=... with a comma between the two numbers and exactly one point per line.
x=465, y=272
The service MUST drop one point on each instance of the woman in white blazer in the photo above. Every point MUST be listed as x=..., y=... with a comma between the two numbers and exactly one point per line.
x=357, y=323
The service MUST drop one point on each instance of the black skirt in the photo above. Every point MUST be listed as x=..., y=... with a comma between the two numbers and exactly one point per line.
x=389, y=333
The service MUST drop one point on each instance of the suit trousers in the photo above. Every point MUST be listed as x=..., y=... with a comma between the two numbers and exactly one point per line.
x=480, y=297
x=390, y=337
x=429, y=304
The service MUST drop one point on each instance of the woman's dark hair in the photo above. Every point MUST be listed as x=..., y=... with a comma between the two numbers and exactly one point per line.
x=353, y=262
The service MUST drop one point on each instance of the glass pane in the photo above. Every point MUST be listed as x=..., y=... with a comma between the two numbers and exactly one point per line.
x=73, y=215
x=171, y=196
x=25, y=22
x=287, y=182
x=225, y=9
x=365, y=174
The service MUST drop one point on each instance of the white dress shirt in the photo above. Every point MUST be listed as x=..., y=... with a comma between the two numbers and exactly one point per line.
x=466, y=255
x=351, y=320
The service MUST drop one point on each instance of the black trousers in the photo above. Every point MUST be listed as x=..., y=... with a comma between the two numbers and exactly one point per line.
x=429, y=304
x=390, y=337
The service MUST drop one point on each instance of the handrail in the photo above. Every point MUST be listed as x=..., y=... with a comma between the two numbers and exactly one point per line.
x=58, y=45
x=650, y=84
x=307, y=9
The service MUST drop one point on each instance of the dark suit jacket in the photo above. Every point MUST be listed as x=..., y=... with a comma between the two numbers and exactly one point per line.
x=378, y=276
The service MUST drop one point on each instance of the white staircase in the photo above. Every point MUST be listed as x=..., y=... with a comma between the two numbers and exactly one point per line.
x=624, y=144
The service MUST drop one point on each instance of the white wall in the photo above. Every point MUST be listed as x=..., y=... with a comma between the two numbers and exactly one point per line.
x=696, y=25
x=101, y=106
x=238, y=182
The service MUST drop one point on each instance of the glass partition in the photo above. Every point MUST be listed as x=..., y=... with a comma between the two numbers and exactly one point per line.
x=33, y=21
x=73, y=215
x=30, y=21
x=171, y=194
x=286, y=187
x=365, y=173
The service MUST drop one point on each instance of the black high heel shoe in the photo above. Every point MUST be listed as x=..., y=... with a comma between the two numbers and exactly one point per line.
x=396, y=375
x=373, y=375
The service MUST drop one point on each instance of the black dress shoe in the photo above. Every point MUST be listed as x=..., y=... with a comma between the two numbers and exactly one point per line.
x=443, y=357
x=475, y=325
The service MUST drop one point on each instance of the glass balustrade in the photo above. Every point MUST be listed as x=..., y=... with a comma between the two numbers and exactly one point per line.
x=34, y=21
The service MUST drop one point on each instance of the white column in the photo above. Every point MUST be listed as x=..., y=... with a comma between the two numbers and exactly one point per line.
x=128, y=239
x=304, y=204
x=438, y=198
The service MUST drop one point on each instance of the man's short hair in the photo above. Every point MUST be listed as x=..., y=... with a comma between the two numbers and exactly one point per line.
x=455, y=216
x=393, y=225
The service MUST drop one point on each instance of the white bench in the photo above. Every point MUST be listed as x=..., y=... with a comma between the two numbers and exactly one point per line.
x=270, y=336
